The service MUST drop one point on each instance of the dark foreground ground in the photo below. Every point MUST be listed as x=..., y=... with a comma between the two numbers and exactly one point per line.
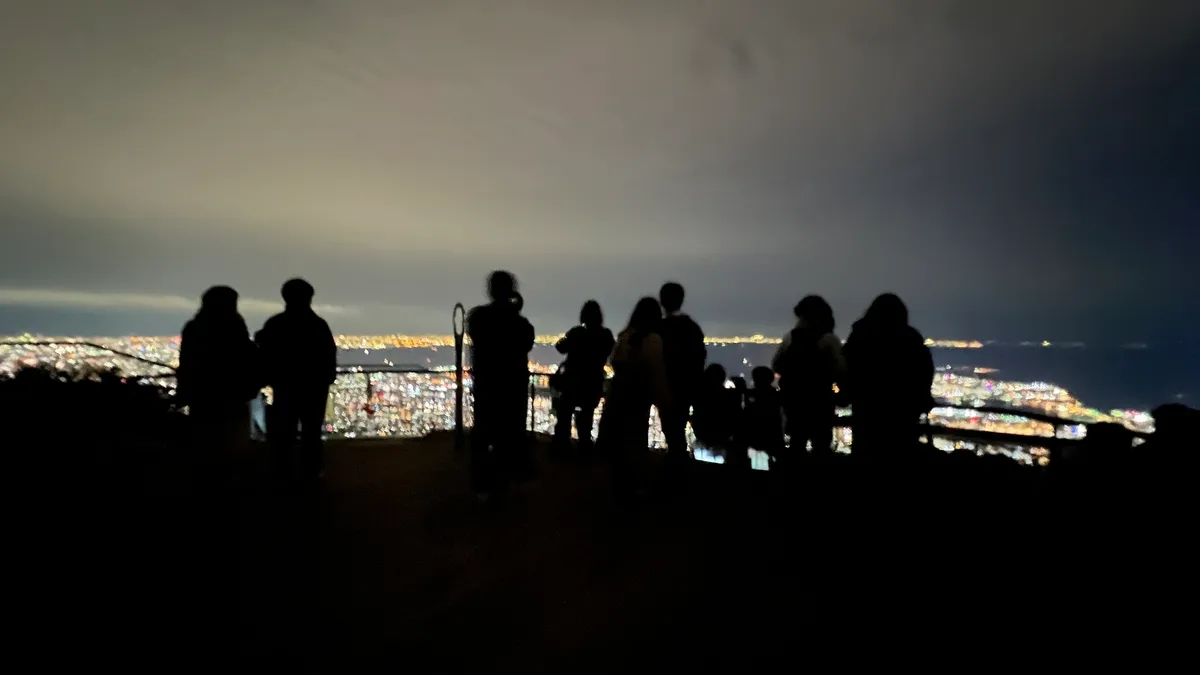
x=390, y=563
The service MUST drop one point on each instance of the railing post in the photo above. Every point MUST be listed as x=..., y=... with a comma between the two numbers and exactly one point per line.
x=532, y=395
x=367, y=403
x=460, y=326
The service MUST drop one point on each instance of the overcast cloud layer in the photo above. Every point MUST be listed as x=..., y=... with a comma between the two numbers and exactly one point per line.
x=1019, y=169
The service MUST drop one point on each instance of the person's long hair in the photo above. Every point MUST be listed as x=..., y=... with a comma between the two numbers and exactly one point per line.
x=590, y=315
x=815, y=314
x=218, y=302
x=646, y=319
x=887, y=311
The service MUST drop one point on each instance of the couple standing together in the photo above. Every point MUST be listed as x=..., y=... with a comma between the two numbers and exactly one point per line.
x=657, y=360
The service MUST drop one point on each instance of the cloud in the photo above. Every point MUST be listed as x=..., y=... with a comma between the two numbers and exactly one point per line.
x=140, y=301
x=994, y=162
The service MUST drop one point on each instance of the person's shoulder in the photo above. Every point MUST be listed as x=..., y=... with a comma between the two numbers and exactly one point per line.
x=323, y=327
x=830, y=341
x=478, y=312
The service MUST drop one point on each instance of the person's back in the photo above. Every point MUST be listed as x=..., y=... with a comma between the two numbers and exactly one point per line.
x=684, y=355
x=299, y=350
x=501, y=340
x=683, y=350
x=301, y=362
x=890, y=372
x=580, y=382
x=764, y=413
x=808, y=366
x=889, y=367
x=217, y=378
x=717, y=409
x=217, y=361
x=587, y=349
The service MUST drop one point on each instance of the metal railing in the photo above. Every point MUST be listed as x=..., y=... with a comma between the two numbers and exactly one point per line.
x=410, y=402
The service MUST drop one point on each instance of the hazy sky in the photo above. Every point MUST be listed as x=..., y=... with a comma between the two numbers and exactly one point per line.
x=1014, y=169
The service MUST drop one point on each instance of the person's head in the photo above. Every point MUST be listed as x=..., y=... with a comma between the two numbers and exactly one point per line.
x=887, y=310
x=714, y=375
x=219, y=300
x=590, y=315
x=501, y=285
x=671, y=295
x=815, y=314
x=763, y=377
x=647, y=314
x=1174, y=422
x=738, y=382
x=297, y=293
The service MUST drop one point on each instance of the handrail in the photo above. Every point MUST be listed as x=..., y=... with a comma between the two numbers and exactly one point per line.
x=840, y=422
x=93, y=345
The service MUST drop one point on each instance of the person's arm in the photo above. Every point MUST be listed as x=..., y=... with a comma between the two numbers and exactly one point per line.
x=777, y=359
x=927, y=370
x=331, y=347
x=564, y=343
x=529, y=336
x=183, y=372
x=701, y=349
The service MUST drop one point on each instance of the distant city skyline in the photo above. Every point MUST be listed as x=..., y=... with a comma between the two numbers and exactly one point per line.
x=401, y=340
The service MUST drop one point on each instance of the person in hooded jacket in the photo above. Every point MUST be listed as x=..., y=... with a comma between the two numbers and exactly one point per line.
x=809, y=362
x=890, y=372
x=218, y=375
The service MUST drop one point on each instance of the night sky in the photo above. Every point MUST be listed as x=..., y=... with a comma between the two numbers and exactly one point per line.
x=1024, y=169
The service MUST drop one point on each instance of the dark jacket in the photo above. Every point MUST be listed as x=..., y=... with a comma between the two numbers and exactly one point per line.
x=298, y=350
x=764, y=419
x=890, y=370
x=809, y=363
x=501, y=340
x=587, y=351
x=218, y=364
x=683, y=351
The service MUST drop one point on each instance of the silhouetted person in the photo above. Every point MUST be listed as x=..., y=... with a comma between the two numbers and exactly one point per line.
x=684, y=353
x=809, y=361
x=639, y=382
x=889, y=376
x=218, y=375
x=501, y=340
x=1176, y=437
x=715, y=409
x=764, y=414
x=736, y=453
x=300, y=357
x=581, y=379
